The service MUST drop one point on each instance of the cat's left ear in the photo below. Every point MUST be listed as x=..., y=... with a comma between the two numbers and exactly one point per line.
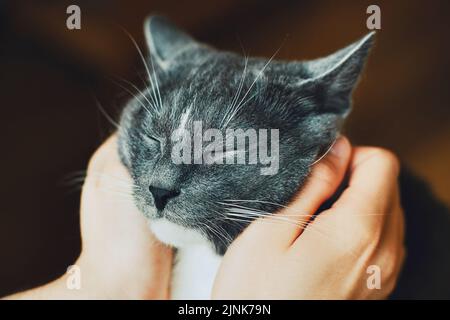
x=165, y=40
x=335, y=76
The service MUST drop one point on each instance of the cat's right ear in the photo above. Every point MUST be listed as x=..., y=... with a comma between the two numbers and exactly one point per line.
x=165, y=40
x=336, y=75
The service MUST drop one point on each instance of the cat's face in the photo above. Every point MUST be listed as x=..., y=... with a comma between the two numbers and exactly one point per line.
x=300, y=106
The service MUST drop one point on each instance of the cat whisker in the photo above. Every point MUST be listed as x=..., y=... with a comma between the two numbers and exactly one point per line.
x=269, y=217
x=238, y=93
x=263, y=220
x=141, y=94
x=133, y=94
x=156, y=82
x=81, y=176
x=295, y=215
x=245, y=215
x=258, y=201
x=249, y=220
x=245, y=102
x=74, y=178
x=300, y=224
x=224, y=231
x=218, y=230
x=219, y=235
x=74, y=181
x=260, y=73
x=225, y=234
x=105, y=114
x=306, y=226
x=248, y=216
x=116, y=194
x=242, y=209
x=325, y=154
x=109, y=176
x=238, y=205
x=150, y=78
x=241, y=84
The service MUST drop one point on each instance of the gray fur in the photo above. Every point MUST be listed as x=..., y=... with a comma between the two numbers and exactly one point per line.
x=306, y=101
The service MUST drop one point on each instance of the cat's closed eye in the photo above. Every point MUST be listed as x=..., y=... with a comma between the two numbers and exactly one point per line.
x=152, y=141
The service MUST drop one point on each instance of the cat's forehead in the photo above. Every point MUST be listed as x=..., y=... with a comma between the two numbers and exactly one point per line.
x=187, y=106
x=208, y=88
x=224, y=68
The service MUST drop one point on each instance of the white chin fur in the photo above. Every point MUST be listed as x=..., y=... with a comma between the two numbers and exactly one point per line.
x=196, y=262
x=174, y=234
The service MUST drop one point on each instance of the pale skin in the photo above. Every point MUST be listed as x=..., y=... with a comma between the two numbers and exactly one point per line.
x=120, y=258
x=272, y=259
x=329, y=258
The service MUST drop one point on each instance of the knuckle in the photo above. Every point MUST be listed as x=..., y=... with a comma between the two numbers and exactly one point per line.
x=368, y=236
x=326, y=173
x=389, y=159
x=95, y=161
x=101, y=155
x=390, y=261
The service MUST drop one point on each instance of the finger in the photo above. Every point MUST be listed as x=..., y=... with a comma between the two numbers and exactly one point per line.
x=107, y=179
x=390, y=252
x=373, y=176
x=103, y=155
x=372, y=185
x=108, y=186
x=325, y=177
x=105, y=167
x=358, y=216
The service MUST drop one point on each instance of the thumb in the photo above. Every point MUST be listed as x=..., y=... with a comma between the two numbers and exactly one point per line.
x=322, y=183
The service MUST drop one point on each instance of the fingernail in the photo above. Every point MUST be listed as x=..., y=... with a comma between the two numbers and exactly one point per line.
x=339, y=148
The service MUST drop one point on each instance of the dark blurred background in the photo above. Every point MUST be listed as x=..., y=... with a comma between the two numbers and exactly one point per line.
x=49, y=76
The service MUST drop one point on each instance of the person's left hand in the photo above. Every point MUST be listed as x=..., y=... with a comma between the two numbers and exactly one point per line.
x=353, y=250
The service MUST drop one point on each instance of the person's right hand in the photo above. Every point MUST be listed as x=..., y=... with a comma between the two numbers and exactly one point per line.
x=287, y=257
x=120, y=258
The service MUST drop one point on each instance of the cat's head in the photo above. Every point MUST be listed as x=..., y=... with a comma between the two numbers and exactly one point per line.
x=192, y=88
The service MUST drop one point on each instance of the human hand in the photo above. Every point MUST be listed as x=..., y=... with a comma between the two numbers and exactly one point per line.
x=120, y=256
x=288, y=256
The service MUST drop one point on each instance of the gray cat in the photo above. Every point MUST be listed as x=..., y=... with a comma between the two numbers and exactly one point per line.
x=201, y=208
